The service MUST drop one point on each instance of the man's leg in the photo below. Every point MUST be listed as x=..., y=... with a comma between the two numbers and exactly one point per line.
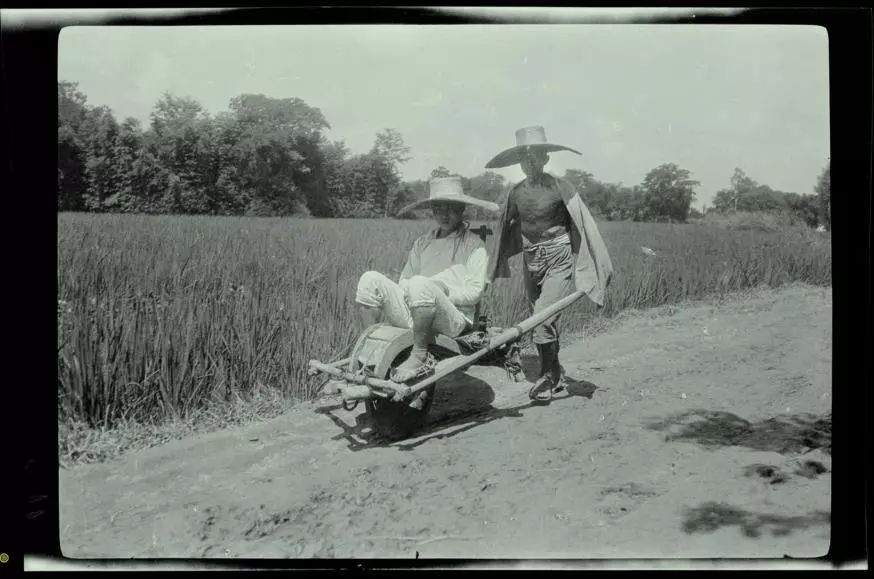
x=432, y=312
x=448, y=319
x=549, y=365
x=557, y=283
x=422, y=301
x=423, y=323
x=378, y=298
x=534, y=271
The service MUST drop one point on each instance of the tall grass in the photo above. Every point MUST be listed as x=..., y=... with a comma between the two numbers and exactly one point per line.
x=160, y=315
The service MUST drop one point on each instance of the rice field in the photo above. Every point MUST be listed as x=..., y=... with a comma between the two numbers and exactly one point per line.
x=159, y=315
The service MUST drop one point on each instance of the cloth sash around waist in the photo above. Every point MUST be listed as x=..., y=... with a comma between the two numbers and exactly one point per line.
x=559, y=240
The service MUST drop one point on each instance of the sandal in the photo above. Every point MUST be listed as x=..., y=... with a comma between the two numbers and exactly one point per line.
x=402, y=375
x=542, y=389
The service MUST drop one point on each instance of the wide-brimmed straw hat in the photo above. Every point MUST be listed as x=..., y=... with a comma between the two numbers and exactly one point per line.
x=449, y=189
x=526, y=138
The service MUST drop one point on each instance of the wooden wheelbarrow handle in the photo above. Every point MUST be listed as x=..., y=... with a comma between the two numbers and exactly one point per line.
x=446, y=367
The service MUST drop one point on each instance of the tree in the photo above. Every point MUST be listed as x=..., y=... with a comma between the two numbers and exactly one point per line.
x=219, y=173
x=729, y=199
x=741, y=182
x=582, y=180
x=72, y=113
x=102, y=168
x=334, y=165
x=745, y=194
x=594, y=193
x=724, y=201
x=389, y=146
x=127, y=185
x=488, y=186
x=668, y=192
x=823, y=191
x=366, y=185
x=634, y=202
x=763, y=198
x=621, y=202
x=803, y=207
x=264, y=156
x=365, y=181
x=409, y=192
x=276, y=153
x=178, y=135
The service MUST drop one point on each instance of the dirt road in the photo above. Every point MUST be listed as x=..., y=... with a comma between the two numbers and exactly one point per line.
x=698, y=431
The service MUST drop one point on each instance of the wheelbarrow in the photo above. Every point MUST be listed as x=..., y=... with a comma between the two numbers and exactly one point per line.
x=363, y=376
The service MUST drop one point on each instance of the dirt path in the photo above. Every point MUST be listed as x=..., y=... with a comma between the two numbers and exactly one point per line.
x=684, y=434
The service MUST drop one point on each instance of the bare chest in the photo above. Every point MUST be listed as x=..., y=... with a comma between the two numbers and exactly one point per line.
x=540, y=208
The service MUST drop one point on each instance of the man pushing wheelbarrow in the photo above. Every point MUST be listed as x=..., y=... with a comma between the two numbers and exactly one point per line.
x=563, y=253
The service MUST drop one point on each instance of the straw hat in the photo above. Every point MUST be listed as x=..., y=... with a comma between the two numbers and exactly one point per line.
x=526, y=138
x=449, y=189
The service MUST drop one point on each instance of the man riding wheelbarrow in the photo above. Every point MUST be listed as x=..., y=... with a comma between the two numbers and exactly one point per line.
x=440, y=285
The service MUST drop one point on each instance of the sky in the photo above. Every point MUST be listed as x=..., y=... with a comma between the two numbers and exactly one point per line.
x=628, y=97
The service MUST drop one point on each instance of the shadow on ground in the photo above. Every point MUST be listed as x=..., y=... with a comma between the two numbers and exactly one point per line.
x=461, y=403
x=784, y=434
x=711, y=516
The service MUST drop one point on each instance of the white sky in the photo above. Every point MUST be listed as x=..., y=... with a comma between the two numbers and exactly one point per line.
x=629, y=97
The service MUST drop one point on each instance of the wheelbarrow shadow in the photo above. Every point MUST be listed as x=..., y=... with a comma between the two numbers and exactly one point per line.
x=462, y=402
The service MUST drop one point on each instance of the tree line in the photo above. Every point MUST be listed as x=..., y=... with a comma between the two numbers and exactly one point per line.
x=270, y=157
x=745, y=194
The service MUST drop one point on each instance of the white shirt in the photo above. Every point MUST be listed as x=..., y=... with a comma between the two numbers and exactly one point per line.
x=459, y=260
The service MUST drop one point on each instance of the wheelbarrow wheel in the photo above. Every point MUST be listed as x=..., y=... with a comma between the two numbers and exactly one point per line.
x=397, y=420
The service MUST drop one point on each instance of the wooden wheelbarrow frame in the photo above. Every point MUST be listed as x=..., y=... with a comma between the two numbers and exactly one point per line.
x=363, y=375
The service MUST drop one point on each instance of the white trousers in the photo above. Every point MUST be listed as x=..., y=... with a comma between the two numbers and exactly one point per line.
x=377, y=291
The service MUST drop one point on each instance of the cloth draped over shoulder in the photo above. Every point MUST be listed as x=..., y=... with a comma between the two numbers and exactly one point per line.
x=593, y=269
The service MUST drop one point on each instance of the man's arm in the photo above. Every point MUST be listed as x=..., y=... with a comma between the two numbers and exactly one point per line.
x=474, y=279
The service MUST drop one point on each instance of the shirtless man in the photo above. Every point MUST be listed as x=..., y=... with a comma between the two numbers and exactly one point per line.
x=545, y=218
x=537, y=202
